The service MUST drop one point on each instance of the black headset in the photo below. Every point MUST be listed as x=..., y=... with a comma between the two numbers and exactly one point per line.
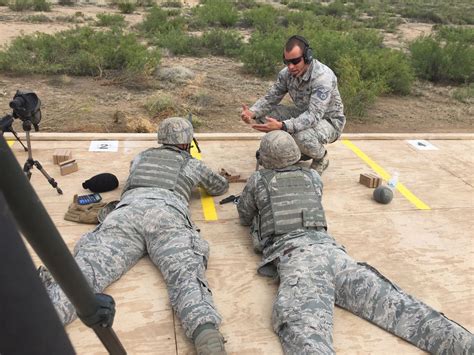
x=307, y=50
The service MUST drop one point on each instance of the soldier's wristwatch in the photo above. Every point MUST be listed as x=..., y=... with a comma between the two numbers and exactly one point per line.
x=283, y=127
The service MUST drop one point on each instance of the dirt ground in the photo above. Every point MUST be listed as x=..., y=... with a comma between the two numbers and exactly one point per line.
x=212, y=88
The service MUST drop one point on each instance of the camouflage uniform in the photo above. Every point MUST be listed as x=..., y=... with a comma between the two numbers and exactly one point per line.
x=315, y=272
x=318, y=115
x=155, y=221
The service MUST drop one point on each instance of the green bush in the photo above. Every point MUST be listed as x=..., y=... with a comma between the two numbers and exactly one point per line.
x=262, y=56
x=456, y=34
x=357, y=94
x=157, y=21
x=38, y=19
x=180, y=43
x=4, y=2
x=110, y=20
x=222, y=42
x=20, y=5
x=158, y=104
x=464, y=93
x=41, y=5
x=126, y=7
x=216, y=13
x=171, y=4
x=442, y=61
x=263, y=18
x=81, y=51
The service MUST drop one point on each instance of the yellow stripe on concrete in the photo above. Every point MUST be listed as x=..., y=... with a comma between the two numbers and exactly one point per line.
x=207, y=201
x=10, y=143
x=386, y=176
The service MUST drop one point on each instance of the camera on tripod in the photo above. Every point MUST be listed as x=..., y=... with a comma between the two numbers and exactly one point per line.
x=27, y=107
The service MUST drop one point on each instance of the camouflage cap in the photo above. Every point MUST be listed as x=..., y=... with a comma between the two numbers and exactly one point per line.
x=278, y=149
x=175, y=130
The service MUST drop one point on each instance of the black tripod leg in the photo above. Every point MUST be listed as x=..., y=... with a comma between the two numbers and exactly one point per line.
x=51, y=181
x=27, y=168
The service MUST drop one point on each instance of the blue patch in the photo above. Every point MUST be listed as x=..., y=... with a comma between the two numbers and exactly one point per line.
x=322, y=93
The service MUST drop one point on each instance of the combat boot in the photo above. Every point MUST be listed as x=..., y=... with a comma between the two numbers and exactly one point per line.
x=321, y=164
x=210, y=342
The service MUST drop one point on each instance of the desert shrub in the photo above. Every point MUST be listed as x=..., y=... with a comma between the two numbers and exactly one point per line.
x=41, y=5
x=66, y=2
x=4, y=2
x=464, y=93
x=20, y=5
x=158, y=21
x=160, y=103
x=263, y=18
x=110, y=20
x=216, y=13
x=246, y=4
x=38, y=19
x=437, y=61
x=389, y=67
x=172, y=4
x=127, y=7
x=357, y=94
x=222, y=42
x=80, y=51
x=179, y=43
x=262, y=55
x=456, y=34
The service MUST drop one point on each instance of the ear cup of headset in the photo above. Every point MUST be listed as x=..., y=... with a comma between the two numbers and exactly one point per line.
x=307, y=51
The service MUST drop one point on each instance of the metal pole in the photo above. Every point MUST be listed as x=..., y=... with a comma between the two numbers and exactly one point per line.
x=41, y=233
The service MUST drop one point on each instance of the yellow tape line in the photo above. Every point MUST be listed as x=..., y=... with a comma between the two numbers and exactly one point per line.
x=386, y=176
x=207, y=202
x=10, y=143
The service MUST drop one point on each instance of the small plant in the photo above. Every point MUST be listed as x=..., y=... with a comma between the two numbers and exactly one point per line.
x=217, y=13
x=127, y=7
x=110, y=20
x=41, y=5
x=222, y=42
x=160, y=104
x=465, y=93
x=20, y=5
x=172, y=4
x=38, y=19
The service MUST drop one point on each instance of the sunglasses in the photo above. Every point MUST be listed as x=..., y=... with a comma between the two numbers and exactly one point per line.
x=293, y=61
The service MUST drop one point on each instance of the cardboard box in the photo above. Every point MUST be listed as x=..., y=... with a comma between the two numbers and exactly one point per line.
x=68, y=166
x=61, y=155
x=370, y=180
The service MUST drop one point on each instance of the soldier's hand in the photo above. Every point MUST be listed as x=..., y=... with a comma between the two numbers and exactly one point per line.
x=271, y=125
x=246, y=114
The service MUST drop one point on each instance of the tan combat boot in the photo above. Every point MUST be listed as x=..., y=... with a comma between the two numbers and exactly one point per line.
x=210, y=342
x=321, y=164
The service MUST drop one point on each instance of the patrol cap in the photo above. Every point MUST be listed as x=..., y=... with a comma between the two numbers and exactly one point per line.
x=278, y=150
x=175, y=130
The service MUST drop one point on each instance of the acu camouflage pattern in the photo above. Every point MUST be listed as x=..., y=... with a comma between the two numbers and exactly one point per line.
x=315, y=273
x=175, y=130
x=278, y=150
x=317, y=117
x=153, y=221
x=161, y=167
x=294, y=202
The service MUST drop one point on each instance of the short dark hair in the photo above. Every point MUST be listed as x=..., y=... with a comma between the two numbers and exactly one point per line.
x=293, y=42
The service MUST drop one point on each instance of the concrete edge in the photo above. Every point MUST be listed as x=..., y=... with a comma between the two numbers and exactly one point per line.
x=50, y=136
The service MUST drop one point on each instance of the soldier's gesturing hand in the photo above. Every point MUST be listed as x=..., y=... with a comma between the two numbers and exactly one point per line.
x=271, y=125
x=246, y=114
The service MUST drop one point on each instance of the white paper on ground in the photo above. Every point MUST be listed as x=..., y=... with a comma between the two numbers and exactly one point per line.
x=103, y=146
x=421, y=144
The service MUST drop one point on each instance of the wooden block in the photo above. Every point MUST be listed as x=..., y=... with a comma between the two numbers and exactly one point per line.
x=370, y=180
x=68, y=167
x=61, y=155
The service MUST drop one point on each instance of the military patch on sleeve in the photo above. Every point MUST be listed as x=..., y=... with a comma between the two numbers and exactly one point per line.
x=322, y=93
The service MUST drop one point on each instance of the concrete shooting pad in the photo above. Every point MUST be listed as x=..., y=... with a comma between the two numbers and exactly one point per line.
x=422, y=241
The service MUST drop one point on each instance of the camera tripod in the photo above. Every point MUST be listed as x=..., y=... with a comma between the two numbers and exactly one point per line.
x=30, y=162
